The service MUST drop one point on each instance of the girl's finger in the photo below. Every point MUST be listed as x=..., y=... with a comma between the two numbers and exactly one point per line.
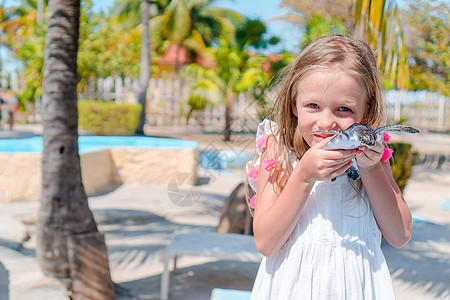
x=340, y=161
x=372, y=154
x=339, y=154
x=333, y=166
x=362, y=155
x=341, y=170
x=378, y=147
x=322, y=143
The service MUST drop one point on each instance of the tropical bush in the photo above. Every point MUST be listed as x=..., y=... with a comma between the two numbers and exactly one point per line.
x=404, y=158
x=108, y=118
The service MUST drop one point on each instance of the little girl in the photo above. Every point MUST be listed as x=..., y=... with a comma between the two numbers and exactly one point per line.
x=320, y=231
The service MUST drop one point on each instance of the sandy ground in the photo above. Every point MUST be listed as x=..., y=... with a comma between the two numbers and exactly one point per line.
x=138, y=221
x=421, y=269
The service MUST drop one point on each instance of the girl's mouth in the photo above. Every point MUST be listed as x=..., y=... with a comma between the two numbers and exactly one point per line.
x=322, y=136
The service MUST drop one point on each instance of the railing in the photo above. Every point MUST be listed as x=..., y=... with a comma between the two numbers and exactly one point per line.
x=423, y=109
x=167, y=106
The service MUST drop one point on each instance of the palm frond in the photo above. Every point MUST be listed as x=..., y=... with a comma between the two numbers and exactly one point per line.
x=379, y=21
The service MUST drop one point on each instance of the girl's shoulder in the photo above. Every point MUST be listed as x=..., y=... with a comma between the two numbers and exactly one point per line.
x=266, y=129
x=268, y=138
x=267, y=154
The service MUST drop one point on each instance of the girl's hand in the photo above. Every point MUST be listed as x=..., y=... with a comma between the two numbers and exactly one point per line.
x=368, y=158
x=322, y=164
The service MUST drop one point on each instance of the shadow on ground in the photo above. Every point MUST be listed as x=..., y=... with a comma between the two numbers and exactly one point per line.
x=4, y=282
x=424, y=263
x=136, y=241
x=195, y=282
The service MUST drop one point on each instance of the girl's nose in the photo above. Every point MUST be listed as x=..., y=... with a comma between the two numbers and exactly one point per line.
x=327, y=121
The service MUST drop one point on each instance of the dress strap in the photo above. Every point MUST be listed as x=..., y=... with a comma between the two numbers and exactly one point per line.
x=265, y=129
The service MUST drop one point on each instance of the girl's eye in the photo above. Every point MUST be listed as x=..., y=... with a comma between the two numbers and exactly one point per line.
x=313, y=105
x=344, y=109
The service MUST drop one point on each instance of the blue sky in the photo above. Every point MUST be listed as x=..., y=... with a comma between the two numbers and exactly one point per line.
x=255, y=9
x=262, y=9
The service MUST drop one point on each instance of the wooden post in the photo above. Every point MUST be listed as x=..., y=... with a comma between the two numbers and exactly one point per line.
x=397, y=107
x=441, y=113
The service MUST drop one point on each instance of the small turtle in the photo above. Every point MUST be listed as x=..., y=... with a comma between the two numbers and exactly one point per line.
x=359, y=135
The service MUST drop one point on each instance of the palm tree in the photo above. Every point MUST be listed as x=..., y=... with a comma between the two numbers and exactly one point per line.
x=251, y=34
x=145, y=69
x=9, y=23
x=24, y=36
x=233, y=73
x=377, y=21
x=128, y=12
x=193, y=25
x=66, y=224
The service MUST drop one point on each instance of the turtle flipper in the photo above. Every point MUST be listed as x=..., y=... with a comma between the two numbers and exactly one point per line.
x=338, y=132
x=353, y=172
x=403, y=128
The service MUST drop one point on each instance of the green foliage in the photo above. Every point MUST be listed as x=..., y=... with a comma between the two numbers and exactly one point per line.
x=27, y=44
x=108, y=118
x=318, y=26
x=377, y=21
x=234, y=73
x=278, y=64
x=193, y=25
x=253, y=33
x=106, y=48
x=404, y=158
x=205, y=88
x=428, y=45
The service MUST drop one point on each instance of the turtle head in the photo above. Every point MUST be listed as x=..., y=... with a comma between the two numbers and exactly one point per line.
x=368, y=137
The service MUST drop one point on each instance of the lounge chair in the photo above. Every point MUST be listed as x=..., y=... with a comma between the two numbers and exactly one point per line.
x=229, y=246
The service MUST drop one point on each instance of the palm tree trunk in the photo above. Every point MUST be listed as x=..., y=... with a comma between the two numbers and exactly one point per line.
x=64, y=211
x=144, y=73
x=228, y=112
x=178, y=88
x=177, y=60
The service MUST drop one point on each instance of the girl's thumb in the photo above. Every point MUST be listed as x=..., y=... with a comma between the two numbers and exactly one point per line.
x=325, y=141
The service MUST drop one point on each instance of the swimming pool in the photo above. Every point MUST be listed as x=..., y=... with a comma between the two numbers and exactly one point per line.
x=106, y=161
x=220, y=160
x=87, y=144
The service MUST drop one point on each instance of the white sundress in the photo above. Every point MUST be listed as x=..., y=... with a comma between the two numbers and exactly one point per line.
x=334, y=251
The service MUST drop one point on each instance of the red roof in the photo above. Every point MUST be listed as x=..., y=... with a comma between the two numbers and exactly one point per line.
x=171, y=55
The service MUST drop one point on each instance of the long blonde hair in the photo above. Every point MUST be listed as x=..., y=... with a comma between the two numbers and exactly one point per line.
x=327, y=52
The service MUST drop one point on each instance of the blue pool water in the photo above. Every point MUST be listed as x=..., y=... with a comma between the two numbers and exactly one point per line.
x=87, y=144
x=212, y=160
x=223, y=159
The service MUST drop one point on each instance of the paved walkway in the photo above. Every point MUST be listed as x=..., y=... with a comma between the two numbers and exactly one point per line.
x=138, y=221
x=425, y=143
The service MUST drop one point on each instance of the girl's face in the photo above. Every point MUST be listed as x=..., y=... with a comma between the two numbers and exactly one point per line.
x=328, y=99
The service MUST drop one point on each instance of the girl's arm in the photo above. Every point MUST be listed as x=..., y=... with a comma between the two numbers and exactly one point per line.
x=389, y=208
x=277, y=213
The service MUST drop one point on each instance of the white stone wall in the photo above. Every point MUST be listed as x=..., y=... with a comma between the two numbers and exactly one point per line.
x=20, y=174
